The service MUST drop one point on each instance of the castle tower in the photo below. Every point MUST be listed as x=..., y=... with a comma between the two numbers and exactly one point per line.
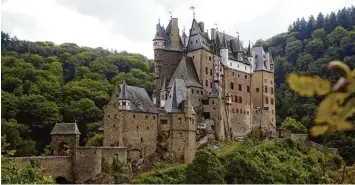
x=65, y=136
x=263, y=90
x=167, y=47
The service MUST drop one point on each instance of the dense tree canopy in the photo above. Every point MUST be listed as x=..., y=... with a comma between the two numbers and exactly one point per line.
x=43, y=83
x=309, y=46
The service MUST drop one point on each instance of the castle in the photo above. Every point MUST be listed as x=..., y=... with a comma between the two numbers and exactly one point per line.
x=207, y=87
x=202, y=81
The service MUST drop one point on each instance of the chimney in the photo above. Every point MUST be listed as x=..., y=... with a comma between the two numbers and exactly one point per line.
x=202, y=26
x=213, y=34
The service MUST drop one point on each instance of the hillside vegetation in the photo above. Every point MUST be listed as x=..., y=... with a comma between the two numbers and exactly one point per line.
x=43, y=84
x=279, y=161
x=308, y=46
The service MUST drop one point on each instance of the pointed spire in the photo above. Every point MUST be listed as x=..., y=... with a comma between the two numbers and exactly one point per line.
x=249, y=50
x=124, y=93
x=173, y=90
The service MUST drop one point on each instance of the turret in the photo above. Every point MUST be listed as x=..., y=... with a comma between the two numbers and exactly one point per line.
x=159, y=40
x=65, y=138
x=123, y=100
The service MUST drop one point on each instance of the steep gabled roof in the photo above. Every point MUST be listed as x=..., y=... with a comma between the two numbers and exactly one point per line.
x=187, y=72
x=233, y=45
x=65, y=129
x=260, y=59
x=139, y=98
x=197, y=39
x=176, y=96
x=123, y=93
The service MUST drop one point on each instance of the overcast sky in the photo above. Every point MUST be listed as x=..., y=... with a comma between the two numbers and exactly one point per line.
x=130, y=24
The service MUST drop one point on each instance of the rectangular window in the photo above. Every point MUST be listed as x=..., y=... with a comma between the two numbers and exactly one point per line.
x=266, y=100
x=211, y=84
x=210, y=72
x=235, y=98
x=206, y=69
x=265, y=89
x=240, y=99
x=232, y=85
x=248, y=88
x=257, y=89
x=206, y=84
x=240, y=87
x=272, y=101
x=192, y=91
x=271, y=90
x=245, y=76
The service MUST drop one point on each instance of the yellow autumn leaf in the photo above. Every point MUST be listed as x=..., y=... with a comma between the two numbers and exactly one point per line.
x=351, y=86
x=347, y=110
x=329, y=107
x=342, y=125
x=308, y=85
x=318, y=130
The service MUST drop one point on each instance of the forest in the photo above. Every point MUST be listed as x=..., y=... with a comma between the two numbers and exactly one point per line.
x=44, y=83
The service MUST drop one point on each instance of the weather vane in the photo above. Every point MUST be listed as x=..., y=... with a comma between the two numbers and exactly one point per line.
x=237, y=33
x=159, y=20
x=193, y=10
x=171, y=16
x=215, y=25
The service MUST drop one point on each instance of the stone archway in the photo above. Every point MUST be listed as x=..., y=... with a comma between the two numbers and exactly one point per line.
x=61, y=180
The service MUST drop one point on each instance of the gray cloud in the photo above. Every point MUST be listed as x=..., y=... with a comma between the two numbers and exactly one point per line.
x=131, y=18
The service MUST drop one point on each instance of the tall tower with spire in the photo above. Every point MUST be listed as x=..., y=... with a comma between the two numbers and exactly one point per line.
x=167, y=46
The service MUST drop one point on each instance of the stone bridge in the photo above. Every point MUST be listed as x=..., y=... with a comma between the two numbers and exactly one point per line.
x=59, y=167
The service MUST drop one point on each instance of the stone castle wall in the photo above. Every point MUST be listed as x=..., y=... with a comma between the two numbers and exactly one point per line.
x=55, y=166
x=87, y=163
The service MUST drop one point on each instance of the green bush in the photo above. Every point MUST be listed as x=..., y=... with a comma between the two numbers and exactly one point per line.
x=293, y=126
x=205, y=169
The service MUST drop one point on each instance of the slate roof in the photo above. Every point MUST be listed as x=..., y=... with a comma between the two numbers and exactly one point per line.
x=176, y=96
x=65, y=128
x=159, y=34
x=197, y=39
x=260, y=59
x=233, y=45
x=139, y=98
x=187, y=72
x=164, y=34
